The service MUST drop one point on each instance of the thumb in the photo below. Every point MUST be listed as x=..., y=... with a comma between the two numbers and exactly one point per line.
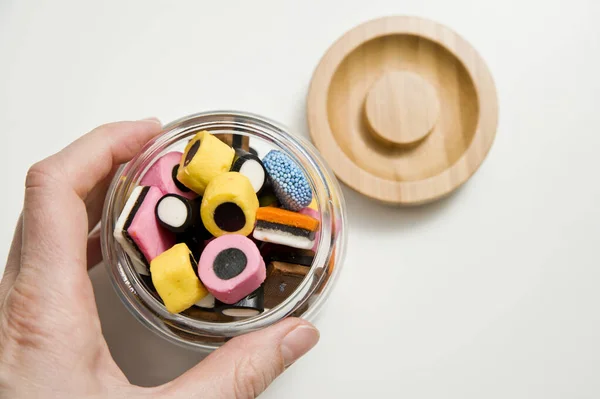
x=245, y=366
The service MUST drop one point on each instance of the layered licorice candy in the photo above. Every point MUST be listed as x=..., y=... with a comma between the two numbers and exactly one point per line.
x=231, y=267
x=285, y=227
x=316, y=215
x=137, y=230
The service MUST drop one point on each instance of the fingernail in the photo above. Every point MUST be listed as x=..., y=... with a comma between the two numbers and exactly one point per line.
x=152, y=119
x=297, y=342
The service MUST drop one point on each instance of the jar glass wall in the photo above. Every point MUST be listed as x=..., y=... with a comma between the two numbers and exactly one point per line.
x=305, y=301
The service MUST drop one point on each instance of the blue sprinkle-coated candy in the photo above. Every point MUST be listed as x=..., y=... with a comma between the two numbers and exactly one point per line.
x=289, y=183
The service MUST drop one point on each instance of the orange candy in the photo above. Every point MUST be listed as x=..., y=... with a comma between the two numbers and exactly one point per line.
x=288, y=218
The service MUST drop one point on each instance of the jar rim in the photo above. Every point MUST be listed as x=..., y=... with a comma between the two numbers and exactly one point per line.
x=315, y=287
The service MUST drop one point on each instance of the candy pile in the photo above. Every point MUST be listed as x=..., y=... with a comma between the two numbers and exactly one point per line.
x=218, y=233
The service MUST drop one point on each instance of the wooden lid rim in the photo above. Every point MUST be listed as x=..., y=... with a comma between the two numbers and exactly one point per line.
x=403, y=192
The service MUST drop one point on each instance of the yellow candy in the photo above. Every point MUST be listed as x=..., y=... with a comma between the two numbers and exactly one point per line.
x=175, y=280
x=229, y=205
x=313, y=204
x=205, y=157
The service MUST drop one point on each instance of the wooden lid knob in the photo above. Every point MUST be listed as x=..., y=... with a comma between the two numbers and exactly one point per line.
x=401, y=108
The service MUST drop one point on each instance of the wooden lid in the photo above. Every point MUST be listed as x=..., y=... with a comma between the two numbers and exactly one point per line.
x=403, y=109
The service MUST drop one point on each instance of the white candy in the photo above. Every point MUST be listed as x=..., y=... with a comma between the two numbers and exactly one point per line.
x=172, y=211
x=254, y=172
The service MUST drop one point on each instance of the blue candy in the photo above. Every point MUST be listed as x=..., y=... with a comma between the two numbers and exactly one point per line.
x=289, y=183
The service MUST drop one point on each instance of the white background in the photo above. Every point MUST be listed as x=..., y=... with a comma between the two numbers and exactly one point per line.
x=492, y=293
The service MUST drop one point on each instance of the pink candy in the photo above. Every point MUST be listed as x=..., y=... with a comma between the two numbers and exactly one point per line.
x=231, y=267
x=160, y=175
x=150, y=238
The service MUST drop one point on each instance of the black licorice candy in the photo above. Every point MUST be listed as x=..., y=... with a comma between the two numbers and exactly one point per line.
x=193, y=241
x=235, y=141
x=267, y=196
x=251, y=305
x=252, y=167
x=178, y=184
x=281, y=253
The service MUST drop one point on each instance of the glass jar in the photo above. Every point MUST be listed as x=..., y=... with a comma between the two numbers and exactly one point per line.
x=304, y=302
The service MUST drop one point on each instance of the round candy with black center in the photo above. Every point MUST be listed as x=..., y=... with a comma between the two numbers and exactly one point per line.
x=231, y=267
x=252, y=167
x=229, y=205
x=204, y=158
x=176, y=213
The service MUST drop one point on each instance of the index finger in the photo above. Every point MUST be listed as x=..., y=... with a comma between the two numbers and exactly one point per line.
x=55, y=221
x=88, y=160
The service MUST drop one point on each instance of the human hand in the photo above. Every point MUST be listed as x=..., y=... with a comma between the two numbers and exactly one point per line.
x=51, y=343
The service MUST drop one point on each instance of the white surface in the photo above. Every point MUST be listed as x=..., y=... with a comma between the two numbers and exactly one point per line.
x=492, y=293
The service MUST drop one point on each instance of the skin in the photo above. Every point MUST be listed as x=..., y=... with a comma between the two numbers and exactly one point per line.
x=51, y=343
